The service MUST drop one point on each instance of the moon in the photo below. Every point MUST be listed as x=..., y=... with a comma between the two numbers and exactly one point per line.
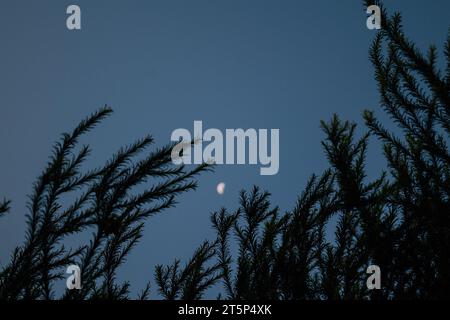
x=221, y=188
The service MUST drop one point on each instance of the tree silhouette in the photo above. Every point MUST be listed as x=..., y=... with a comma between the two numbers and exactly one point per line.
x=400, y=221
x=416, y=95
x=107, y=203
x=4, y=207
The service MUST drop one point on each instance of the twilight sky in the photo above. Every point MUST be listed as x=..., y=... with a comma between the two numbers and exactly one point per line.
x=160, y=65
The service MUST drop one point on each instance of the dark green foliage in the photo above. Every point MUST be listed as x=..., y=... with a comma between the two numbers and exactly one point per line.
x=400, y=221
x=190, y=282
x=287, y=256
x=416, y=94
x=4, y=207
x=255, y=251
x=107, y=203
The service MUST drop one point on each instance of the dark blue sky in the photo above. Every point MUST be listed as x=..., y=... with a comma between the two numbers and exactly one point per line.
x=163, y=64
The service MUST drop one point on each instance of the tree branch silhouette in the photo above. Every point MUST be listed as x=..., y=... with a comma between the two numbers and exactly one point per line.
x=107, y=203
x=399, y=221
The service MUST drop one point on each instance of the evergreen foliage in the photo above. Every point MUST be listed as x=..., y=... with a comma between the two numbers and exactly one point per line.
x=400, y=221
x=109, y=201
